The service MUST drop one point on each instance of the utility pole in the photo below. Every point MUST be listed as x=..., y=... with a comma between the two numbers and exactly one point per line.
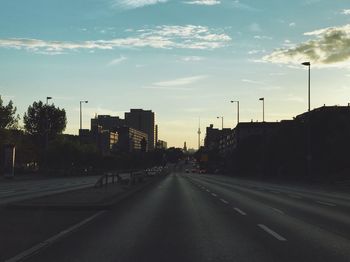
x=199, y=134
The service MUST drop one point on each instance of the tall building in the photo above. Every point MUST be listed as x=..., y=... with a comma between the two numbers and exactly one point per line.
x=107, y=122
x=131, y=140
x=143, y=120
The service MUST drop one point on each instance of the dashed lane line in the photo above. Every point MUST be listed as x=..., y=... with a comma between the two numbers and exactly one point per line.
x=272, y=233
x=240, y=211
x=326, y=203
x=277, y=210
x=214, y=195
x=223, y=201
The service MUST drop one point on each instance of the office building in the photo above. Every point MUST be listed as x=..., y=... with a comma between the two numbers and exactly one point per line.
x=131, y=140
x=143, y=120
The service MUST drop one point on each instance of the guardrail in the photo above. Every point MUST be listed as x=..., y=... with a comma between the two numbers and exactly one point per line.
x=129, y=177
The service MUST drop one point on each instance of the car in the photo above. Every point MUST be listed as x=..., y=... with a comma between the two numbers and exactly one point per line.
x=187, y=170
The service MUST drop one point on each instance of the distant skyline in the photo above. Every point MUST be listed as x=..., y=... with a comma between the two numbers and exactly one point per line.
x=181, y=59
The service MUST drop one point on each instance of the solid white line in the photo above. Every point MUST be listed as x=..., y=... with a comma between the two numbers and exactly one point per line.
x=223, y=201
x=214, y=195
x=326, y=203
x=271, y=232
x=51, y=240
x=240, y=211
x=6, y=192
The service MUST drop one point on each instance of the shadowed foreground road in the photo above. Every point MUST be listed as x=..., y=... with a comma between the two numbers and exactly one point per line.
x=201, y=218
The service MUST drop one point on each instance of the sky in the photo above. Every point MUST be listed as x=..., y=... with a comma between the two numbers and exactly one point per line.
x=184, y=60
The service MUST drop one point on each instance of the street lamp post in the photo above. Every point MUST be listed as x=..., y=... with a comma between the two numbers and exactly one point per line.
x=308, y=64
x=308, y=153
x=263, y=102
x=237, y=109
x=81, y=113
x=47, y=122
x=222, y=121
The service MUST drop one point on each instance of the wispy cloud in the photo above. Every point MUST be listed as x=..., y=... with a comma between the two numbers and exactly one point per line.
x=192, y=58
x=330, y=47
x=262, y=37
x=252, y=82
x=164, y=37
x=239, y=5
x=256, y=51
x=180, y=81
x=117, y=61
x=131, y=4
x=203, y=2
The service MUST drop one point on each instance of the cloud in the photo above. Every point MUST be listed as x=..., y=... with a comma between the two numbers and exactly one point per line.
x=262, y=37
x=192, y=58
x=252, y=82
x=293, y=24
x=131, y=4
x=203, y=2
x=346, y=12
x=330, y=47
x=117, y=61
x=163, y=37
x=180, y=81
x=237, y=4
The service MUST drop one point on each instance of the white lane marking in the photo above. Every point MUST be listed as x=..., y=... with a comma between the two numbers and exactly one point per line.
x=271, y=232
x=207, y=190
x=223, y=201
x=277, y=210
x=51, y=240
x=326, y=203
x=214, y=195
x=240, y=211
x=295, y=196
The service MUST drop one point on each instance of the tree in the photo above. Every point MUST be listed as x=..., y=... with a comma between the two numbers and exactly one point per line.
x=8, y=117
x=41, y=118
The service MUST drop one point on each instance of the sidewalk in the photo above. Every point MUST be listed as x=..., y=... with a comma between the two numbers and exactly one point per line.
x=83, y=199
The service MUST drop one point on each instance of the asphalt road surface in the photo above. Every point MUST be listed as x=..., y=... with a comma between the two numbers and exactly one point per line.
x=189, y=217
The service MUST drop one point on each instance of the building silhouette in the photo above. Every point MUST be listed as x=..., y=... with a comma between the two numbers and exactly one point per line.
x=143, y=120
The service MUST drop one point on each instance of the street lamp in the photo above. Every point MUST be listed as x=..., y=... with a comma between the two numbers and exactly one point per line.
x=308, y=64
x=237, y=109
x=222, y=121
x=47, y=99
x=263, y=102
x=81, y=113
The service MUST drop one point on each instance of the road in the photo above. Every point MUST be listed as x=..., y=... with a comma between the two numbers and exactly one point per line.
x=11, y=191
x=190, y=217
